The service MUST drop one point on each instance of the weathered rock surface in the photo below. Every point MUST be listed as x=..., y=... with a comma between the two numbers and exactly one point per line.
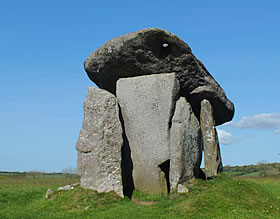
x=185, y=145
x=182, y=189
x=99, y=143
x=212, y=156
x=65, y=188
x=49, y=194
x=147, y=105
x=152, y=51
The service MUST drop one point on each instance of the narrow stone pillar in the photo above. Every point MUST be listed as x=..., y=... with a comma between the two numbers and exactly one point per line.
x=99, y=143
x=147, y=105
x=212, y=156
x=185, y=145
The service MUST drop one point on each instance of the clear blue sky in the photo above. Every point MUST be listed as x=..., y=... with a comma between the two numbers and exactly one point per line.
x=43, y=45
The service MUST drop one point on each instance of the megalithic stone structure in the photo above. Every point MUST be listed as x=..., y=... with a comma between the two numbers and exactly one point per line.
x=99, y=143
x=147, y=105
x=212, y=155
x=155, y=141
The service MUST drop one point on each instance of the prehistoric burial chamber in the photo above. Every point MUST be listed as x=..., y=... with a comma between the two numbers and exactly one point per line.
x=151, y=118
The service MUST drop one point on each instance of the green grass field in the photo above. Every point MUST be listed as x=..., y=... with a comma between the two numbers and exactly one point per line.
x=22, y=196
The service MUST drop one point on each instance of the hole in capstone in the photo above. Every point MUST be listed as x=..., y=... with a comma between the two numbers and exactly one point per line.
x=164, y=51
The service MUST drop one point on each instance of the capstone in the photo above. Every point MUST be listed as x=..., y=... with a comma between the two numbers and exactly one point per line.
x=153, y=51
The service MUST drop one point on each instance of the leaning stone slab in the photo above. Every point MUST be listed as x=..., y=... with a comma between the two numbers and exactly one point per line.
x=212, y=156
x=99, y=143
x=147, y=105
x=185, y=145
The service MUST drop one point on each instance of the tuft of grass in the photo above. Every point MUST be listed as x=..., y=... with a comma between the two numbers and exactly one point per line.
x=230, y=198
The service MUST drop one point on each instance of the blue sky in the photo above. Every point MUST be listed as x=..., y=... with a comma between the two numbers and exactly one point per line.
x=43, y=45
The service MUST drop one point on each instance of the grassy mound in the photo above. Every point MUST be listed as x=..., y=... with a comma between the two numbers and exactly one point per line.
x=223, y=197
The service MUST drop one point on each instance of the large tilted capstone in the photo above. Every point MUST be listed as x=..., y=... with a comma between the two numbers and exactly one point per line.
x=153, y=51
x=152, y=117
x=99, y=143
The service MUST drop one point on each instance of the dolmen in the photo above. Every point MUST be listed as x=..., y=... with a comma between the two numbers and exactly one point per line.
x=154, y=114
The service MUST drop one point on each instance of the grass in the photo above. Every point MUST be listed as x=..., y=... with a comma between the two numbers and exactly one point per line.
x=223, y=197
x=261, y=169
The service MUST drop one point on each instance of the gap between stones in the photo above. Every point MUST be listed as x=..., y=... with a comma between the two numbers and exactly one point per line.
x=126, y=162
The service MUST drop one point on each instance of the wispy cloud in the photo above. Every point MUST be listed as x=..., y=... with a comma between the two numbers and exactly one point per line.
x=224, y=137
x=259, y=121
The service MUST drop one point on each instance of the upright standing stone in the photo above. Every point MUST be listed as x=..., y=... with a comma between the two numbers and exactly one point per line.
x=99, y=143
x=185, y=145
x=212, y=156
x=147, y=104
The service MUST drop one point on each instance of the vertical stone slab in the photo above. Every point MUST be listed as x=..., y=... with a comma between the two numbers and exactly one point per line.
x=99, y=143
x=147, y=105
x=212, y=156
x=219, y=156
x=185, y=145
